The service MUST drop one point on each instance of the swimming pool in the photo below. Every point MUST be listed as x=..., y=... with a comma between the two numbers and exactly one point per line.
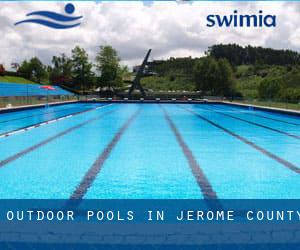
x=173, y=151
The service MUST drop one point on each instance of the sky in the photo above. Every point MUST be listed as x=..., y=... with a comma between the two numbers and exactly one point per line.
x=171, y=29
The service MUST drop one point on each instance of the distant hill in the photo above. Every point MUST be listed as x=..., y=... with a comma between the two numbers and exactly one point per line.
x=259, y=73
x=239, y=55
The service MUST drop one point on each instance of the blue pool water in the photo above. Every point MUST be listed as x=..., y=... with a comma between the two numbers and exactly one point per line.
x=149, y=151
x=17, y=120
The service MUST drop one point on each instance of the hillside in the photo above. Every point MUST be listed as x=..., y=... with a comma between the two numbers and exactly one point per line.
x=258, y=73
x=165, y=83
x=15, y=79
x=172, y=74
x=281, y=83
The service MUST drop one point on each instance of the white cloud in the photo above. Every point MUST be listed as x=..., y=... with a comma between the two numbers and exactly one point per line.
x=169, y=28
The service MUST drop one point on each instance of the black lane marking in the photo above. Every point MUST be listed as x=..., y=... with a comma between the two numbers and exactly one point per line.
x=266, y=117
x=50, y=139
x=38, y=114
x=273, y=119
x=256, y=124
x=201, y=179
x=94, y=170
x=49, y=121
x=283, y=162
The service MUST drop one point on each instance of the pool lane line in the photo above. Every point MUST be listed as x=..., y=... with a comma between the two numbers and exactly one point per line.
x=273, y=119
x=95, y=169
x=38, y=114
x=256, y=124
x=29, y=127
x=280, y=160
x=50, y=139
x=262, y=116
x=47, y=122
x=201, y=179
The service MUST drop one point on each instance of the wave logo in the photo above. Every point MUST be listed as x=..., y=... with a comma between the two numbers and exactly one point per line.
x=54, y=20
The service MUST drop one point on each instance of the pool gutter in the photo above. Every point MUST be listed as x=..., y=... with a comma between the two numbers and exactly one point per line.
x=263, y=108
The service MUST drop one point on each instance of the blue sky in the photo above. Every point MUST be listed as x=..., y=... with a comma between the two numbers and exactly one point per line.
x=169, y=28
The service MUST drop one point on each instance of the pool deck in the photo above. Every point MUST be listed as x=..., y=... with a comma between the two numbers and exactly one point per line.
x=263, y=108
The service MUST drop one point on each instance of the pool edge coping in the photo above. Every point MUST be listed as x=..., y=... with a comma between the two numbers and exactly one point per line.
x=264, y=108
x=243, y=105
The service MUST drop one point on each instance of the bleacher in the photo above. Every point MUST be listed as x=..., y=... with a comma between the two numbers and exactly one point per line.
x=17, y=89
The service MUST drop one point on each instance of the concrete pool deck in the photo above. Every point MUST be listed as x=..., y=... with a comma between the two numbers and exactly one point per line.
x=265, y=108
x=109, y=100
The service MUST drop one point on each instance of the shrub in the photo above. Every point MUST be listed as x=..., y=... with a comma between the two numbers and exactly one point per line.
x=290, y=95
x=172, y=78
x=269, y=88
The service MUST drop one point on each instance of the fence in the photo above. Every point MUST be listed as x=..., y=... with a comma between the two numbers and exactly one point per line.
x=287, y=104
x=14, y=94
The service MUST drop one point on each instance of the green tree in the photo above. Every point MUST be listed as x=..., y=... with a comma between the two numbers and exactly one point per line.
x=213, y=76
x=33, y=70
x=38, y=70
x=205, y=74
x=108, y=65
x=61, y=71
x=83, y=76
x=238, y=55
x=25, y=69
x=270, y=88
x=224, y=83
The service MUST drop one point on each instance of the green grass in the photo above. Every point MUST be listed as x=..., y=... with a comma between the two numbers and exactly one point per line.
x=15, y=79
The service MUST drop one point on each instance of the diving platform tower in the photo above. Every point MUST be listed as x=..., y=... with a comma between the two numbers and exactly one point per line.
x=136, y=84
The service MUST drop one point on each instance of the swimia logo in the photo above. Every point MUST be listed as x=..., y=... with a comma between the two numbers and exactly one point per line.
x=239, y=20
x=54, y=20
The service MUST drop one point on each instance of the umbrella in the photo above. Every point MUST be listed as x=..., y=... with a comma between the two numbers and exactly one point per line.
x=47, y=87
